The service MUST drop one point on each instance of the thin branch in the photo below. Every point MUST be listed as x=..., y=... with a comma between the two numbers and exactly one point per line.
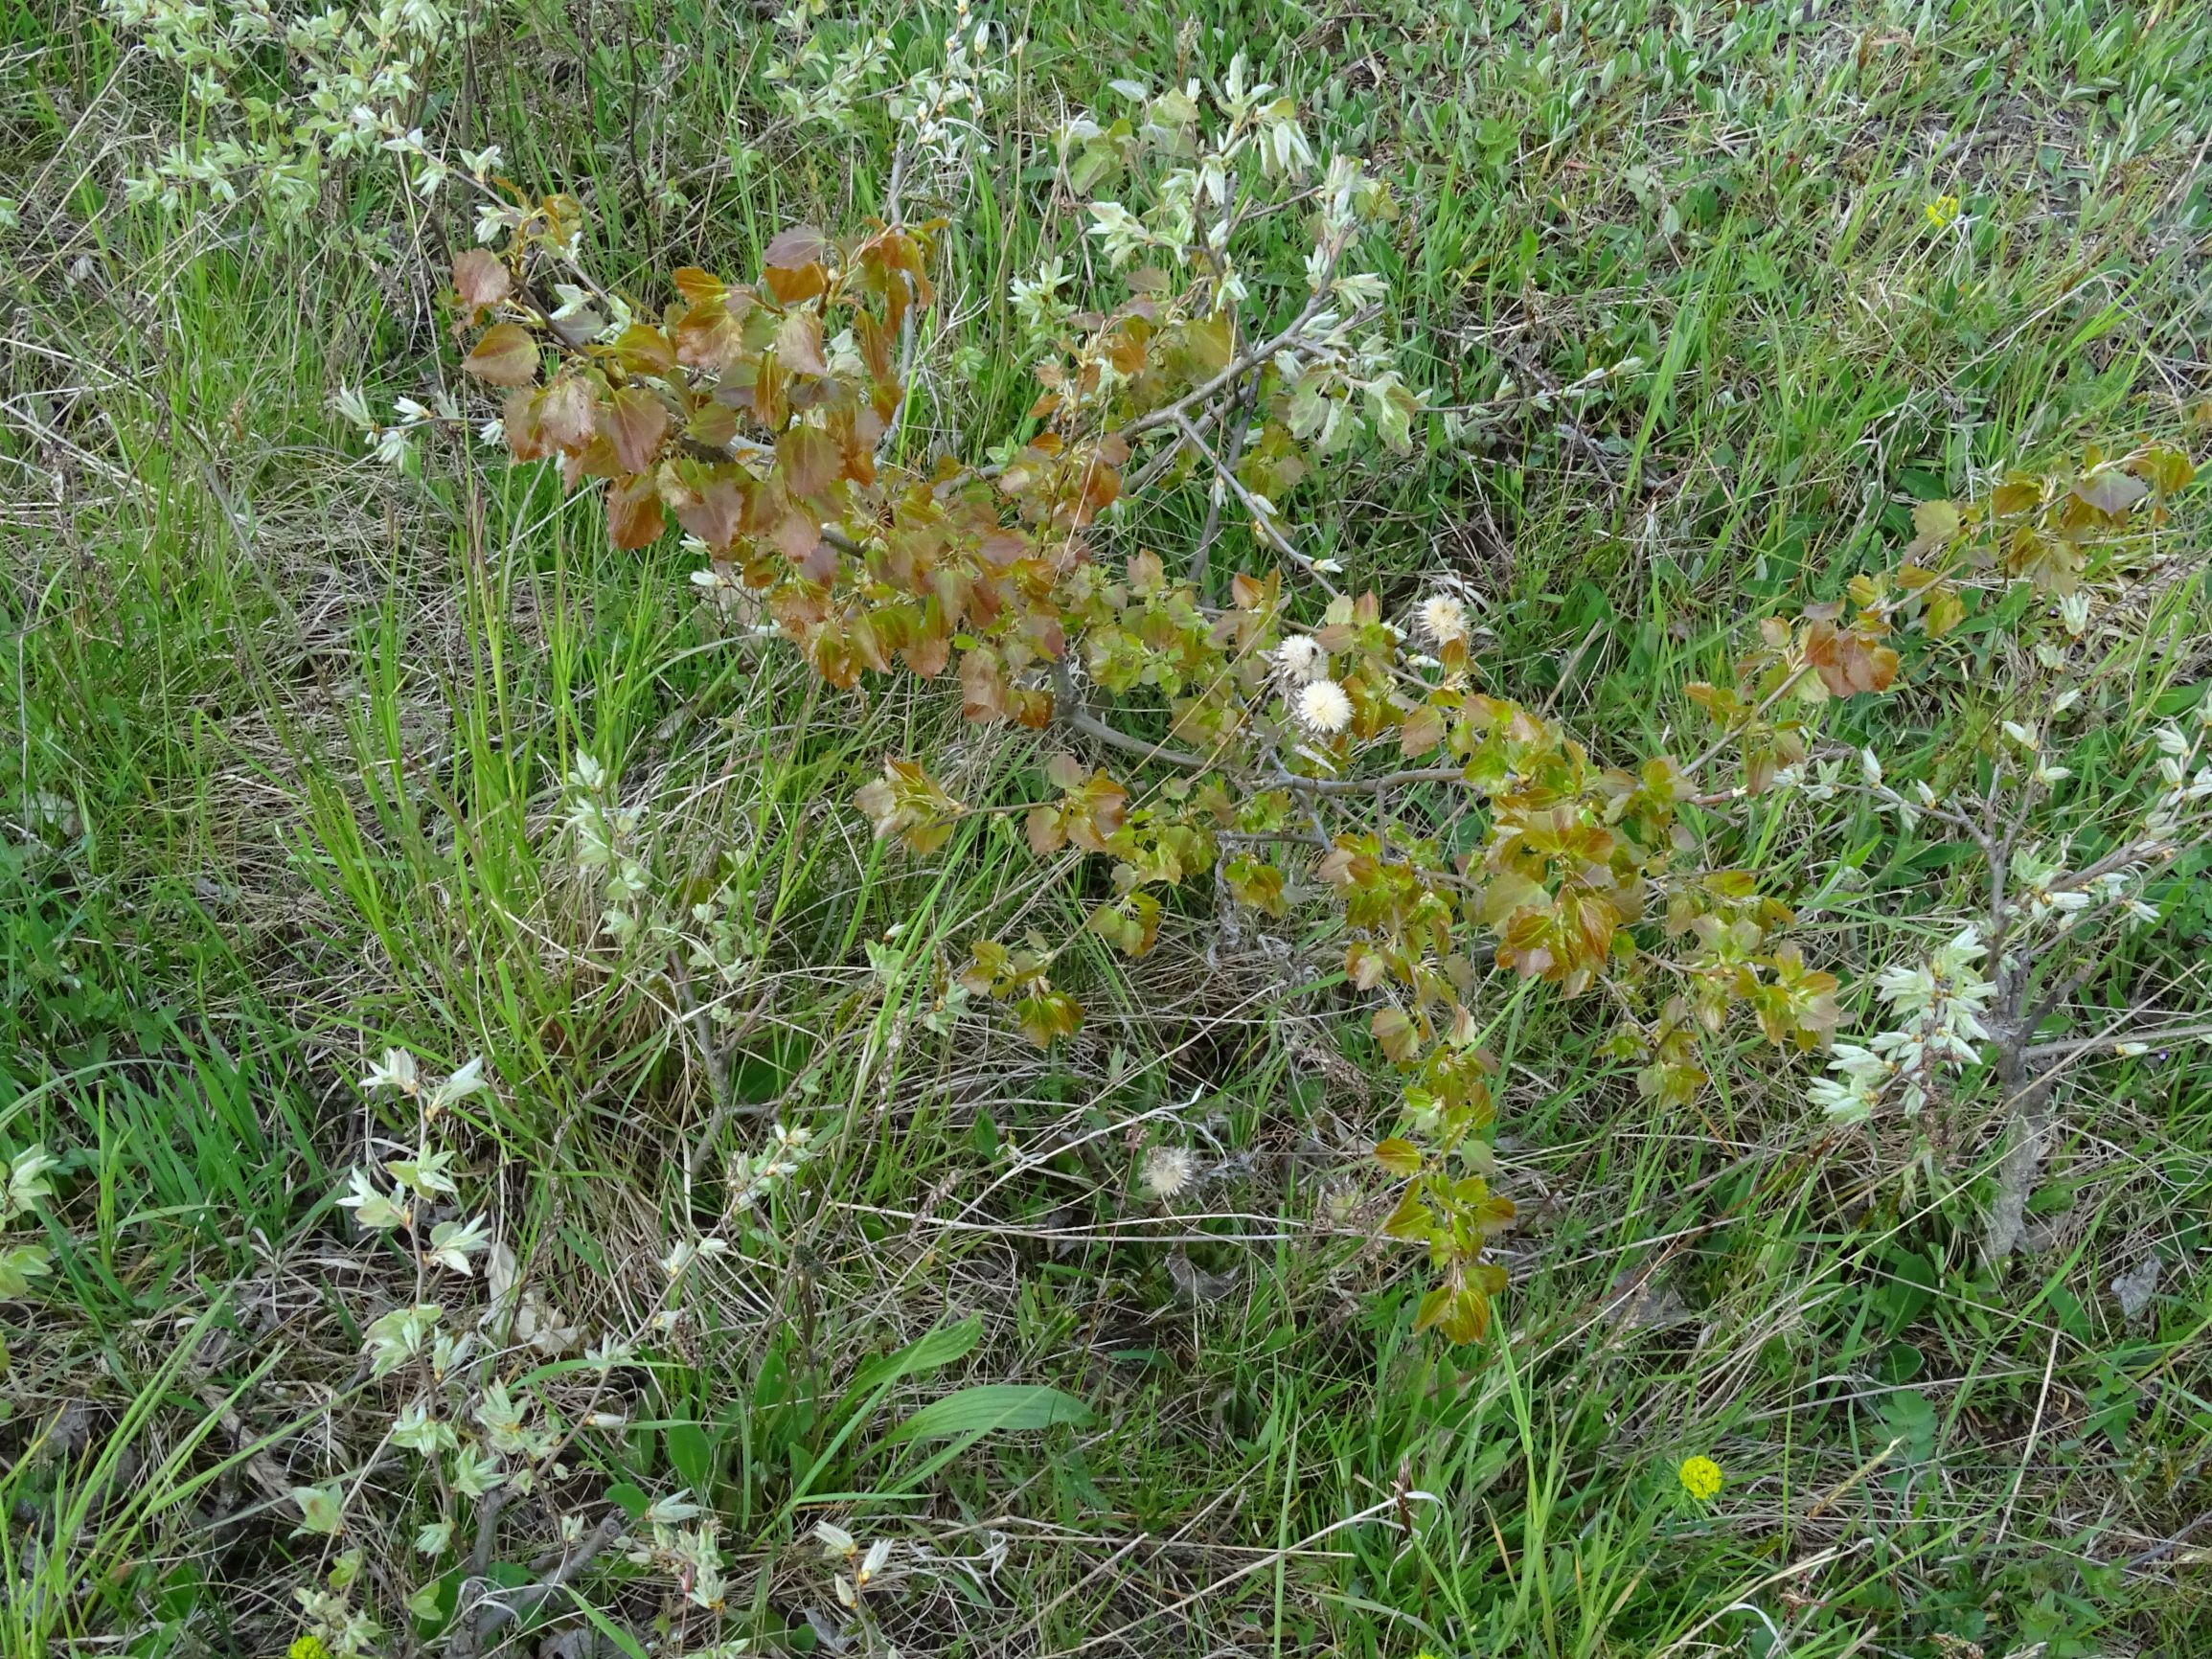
x=1180, y=408
x=2197, y=1031
x=490, y=1615
x=1369, y=786
x=1274, y=537
x=695, y=1019
x=1240, y=423
x=1730, y=737
x=1068, y=711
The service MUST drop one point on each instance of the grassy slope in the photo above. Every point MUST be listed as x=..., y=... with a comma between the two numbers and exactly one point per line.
x=311, y=719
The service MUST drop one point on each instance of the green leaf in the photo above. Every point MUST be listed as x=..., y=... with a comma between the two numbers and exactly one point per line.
x=1934, y=524
x=628, y=1498
x=322, y=1508
x=607, y=1627
x=18, y=1266
x=1908, y=1415
x=691, y=1454
x=1400, y=1156
x=940, y=1348
x=990, y=1406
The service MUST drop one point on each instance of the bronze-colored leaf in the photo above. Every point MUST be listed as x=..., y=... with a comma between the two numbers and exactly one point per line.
x=712, y=426
x=790, y=249
x=644, y=350
x=1434, y=1308
x=634, y=422
x=981, y=685
x=711, y=337
x=634, y=511
x=1410, y=1220
x=506, y=356
x=808, y=461
x=799, y=342
x=699, y=287
x=1048, y=1016
x=567, y=414
x=795, y=287
x=1047, y=834
x=481, y=279
x=1396, y=1034
x=1423, y=731
x=709, y=501
x=1466, y=1316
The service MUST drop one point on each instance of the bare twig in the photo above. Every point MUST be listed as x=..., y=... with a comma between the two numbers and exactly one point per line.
x=1180, y=410
x=489, y=1615
x=1261, y=518
x=1374, y=785
x=2198, y=1032
x=1068, y=711
x=1240, y=419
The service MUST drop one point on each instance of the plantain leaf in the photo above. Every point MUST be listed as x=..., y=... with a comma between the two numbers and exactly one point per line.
x=932, y=1352
x=990, y=1406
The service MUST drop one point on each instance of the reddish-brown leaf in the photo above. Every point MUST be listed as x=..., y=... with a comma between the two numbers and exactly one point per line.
x=567, y=414
x=480, y=277
x=1096, y=811
x=791, y=288
x=799, y=343
x=795, y=531
x=874, y=341
x=799, y=245
x=1423, y=731
x=1047, y=831
x=932, y=648
x=710, y=336
x=506, y=356
x=981, y=685
x=810, y=461
x=634, y=422
x=633, y=513
x=1396, y=1034
x=1847, y=661
x=526, y=438
x=708, y=501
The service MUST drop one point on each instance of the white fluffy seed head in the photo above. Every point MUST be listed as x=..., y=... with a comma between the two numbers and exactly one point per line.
x=1443, y=619
x=1167, y=1170
x=1301, y=659
x=1324, y=708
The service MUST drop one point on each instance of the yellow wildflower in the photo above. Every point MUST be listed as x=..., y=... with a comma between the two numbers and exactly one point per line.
x=1701, y=1478
x=308, y=1646
x=1942, y=212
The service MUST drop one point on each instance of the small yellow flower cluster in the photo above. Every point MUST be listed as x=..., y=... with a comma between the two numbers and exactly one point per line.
x=1701, y=1478
x=1943, y=212
x=308, y=1646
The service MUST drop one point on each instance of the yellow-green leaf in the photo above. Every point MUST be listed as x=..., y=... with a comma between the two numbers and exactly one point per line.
x=1399, y=1155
